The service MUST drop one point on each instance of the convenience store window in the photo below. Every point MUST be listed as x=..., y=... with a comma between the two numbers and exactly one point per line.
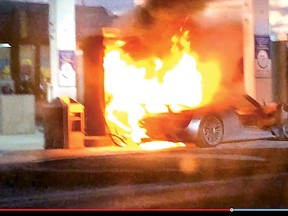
x=6, y=82
x=27, y=68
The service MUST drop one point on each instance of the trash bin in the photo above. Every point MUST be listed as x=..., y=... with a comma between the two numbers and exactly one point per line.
x=64, y=124
x=53, y=124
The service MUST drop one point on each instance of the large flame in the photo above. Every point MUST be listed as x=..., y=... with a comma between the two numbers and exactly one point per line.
x=134, y=88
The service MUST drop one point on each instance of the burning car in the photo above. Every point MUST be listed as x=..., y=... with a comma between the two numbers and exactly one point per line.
x=205, y=126
x=176, y=86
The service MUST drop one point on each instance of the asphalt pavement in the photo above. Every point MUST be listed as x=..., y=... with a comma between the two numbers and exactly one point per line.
x=31, y=148
x=26, y=167
x=24, y=148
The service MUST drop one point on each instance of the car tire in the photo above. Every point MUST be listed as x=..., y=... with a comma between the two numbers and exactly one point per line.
x=282, y=132
x=285, y=131
x=211, y=131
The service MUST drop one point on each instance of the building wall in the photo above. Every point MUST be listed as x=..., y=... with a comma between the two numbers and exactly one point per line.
x=17, y=114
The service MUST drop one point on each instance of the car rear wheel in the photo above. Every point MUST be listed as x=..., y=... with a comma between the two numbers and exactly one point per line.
x=211, y=131
x=285, y=130
x=282, y=132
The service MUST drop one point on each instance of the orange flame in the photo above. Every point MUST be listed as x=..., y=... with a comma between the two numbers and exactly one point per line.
x=134, y=88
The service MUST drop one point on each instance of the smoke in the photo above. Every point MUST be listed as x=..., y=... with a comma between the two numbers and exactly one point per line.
x=170, y=10
x=155, y=21
x=215, y=33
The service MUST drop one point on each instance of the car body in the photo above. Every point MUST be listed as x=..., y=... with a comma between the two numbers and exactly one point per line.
x=209, y=125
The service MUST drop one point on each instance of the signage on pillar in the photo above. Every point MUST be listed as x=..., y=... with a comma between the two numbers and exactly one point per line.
x=262, y=56
x=67, y=73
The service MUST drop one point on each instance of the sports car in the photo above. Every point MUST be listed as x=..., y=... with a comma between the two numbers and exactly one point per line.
x=209, y=125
